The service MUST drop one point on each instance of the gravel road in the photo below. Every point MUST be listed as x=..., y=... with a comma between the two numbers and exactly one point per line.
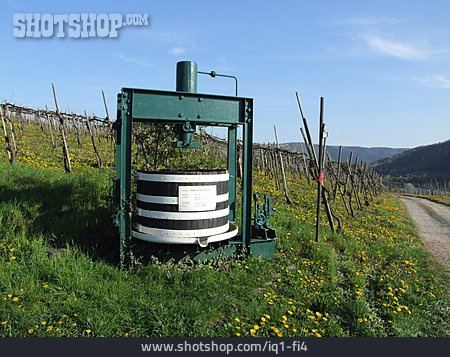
x=433, y=223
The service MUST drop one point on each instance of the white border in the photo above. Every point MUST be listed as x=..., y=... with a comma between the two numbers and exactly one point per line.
x=170, y=200
x=182, y=178
x=178, y=233
x=182, y=215
x=203, y=242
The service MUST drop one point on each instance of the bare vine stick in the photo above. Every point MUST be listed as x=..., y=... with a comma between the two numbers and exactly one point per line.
x=67, y=165
x=286, y=192
x=9, y=150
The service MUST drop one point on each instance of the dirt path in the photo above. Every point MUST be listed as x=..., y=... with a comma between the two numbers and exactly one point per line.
x=433, y=223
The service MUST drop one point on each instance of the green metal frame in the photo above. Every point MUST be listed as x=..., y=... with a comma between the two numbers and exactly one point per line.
x=180, y=107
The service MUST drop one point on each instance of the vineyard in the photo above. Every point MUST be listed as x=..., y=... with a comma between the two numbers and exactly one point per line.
x=367, y=275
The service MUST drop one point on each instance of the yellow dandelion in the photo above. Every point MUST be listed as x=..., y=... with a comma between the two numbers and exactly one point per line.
x=286, y=326
x=263, y=319
x=88, y=331
x=4, y=322
x=30, y=331
x=252, y=331
x=12, y=258
x=43, y=323
x=16, y=299
x=290, y=312
x=237, y=319
x=256, y=327
x=318, y=314
x=238, y=334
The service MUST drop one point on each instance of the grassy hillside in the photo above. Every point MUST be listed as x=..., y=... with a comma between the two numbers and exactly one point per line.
x=419, y=164
x=59, y=271
x=362, y=153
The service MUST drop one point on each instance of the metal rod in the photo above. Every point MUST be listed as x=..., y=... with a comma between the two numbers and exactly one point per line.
x=213, y=74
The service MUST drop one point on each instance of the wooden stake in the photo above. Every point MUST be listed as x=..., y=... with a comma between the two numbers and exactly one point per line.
x=97, y=154
x=286, y=192
x=9, y=150
x=67, y=165
x=320, y=168
x=13, y=133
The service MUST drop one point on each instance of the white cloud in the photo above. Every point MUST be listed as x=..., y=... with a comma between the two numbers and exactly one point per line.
x=401, y=50
x=176, y=51
x=435, y=81
x=135, y=60
x=368, y=21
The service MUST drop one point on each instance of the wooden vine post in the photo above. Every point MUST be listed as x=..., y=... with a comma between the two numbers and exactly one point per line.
x=91, y=133
x=9, y=150
x=286, y=192
x=321, y=176
x=67, y=165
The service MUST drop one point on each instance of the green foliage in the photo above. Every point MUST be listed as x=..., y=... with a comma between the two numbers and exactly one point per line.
x=419, y=164
x=409, y=188
x=154, y=150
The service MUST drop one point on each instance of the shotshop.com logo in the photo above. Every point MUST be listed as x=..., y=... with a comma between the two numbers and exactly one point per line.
x=74, y=25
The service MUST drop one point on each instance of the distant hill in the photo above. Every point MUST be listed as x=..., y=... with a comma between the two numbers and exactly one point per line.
x=419, y=164
x=362, y=153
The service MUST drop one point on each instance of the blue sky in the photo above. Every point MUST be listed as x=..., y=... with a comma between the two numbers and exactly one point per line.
x=382, y=66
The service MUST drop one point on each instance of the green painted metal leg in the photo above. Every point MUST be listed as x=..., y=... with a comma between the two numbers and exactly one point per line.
x=125, y=179
x=232, y=162
x=247, y=184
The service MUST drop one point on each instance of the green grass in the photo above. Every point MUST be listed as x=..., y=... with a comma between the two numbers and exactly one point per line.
x=59, y=272
x=439, y=199
x=445, y=200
